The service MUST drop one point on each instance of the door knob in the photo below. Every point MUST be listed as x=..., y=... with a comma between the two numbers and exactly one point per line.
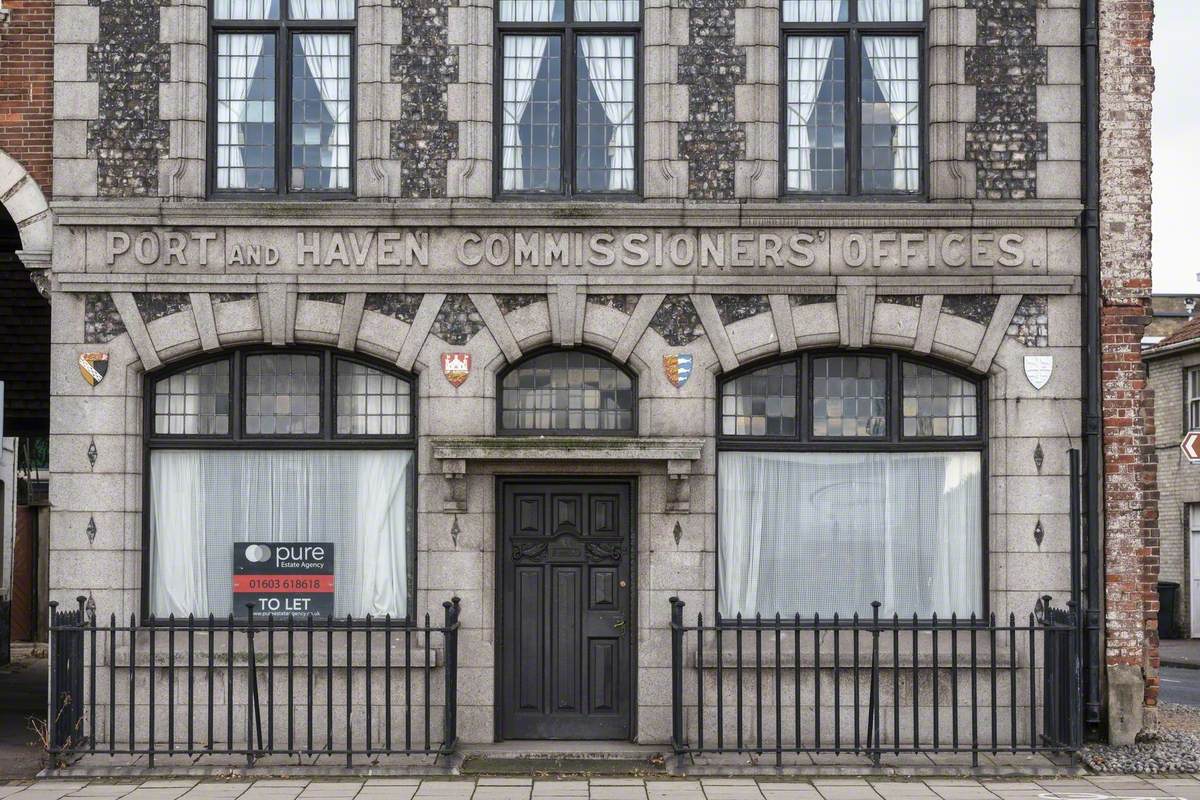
x=619, y=623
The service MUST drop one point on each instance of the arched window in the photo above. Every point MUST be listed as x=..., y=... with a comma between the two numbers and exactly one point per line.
x=567, y=392
x=849, y=478
x=279, y=447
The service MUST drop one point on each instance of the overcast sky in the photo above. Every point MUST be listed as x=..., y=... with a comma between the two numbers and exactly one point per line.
x=1176, y=142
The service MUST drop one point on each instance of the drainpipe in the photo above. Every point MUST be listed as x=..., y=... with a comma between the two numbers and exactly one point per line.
x=1093, y=490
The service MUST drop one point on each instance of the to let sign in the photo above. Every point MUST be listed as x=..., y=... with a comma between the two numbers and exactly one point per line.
x=281, y=578
x=1191, y=447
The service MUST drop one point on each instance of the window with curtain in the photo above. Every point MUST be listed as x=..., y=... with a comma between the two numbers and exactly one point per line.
x=1191, y=390
x=568, y=89
x=870, y=461
x=290, y=447
x=270, y=138
x=569, y=392
x=852, y=118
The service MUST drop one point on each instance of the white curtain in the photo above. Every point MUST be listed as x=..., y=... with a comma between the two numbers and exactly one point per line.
x=242, y=51
x=522, y=62
x=831, y=532
x=815, y=11
x=178, y=540
x=808, y=60
x=530, y=10
x=327, y=57
x=204, y=501
x=609, y=62
x=246, y=9
x=606, y=10
x=890, y=10
x=894, y=61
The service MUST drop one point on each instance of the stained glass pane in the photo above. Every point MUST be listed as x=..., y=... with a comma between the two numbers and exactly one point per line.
x=849, y=396
x=193, y=402
x=532, y=124
x=246, y=111
x=762, y=403
x=891, y=114
x=371, y=402
x=604, y=123
x=937, y=403
x=283, y=394
x=567, y=391
x=320, y=111
x=816, y=10
x=816, y=114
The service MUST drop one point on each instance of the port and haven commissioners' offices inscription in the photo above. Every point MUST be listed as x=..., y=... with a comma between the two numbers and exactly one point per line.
x=819, y=251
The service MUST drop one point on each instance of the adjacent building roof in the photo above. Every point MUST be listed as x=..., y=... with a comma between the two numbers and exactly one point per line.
x=1183, y=338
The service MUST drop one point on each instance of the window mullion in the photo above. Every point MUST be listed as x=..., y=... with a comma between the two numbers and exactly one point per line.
x=283, y=109
x=853, y=113
x=568, y=94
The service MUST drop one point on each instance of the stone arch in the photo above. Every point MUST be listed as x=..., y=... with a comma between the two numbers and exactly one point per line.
x=26, y=203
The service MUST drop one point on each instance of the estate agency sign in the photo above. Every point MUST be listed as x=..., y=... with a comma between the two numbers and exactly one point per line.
x=815, y=251
x=283, y=578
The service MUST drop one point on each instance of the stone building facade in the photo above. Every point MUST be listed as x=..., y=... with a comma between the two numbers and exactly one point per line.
x=451, y=254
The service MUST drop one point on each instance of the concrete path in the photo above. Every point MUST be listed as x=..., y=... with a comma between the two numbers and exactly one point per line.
x=1096, y=788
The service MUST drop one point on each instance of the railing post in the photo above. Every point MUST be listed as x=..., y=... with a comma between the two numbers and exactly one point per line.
x=1075, y=680
x=677, y=734
x=874, y=711
x=52, y=688
x=450, y=722
x=251, y=684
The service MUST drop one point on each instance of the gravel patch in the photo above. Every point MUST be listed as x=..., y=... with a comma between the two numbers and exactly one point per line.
x=1173, y=747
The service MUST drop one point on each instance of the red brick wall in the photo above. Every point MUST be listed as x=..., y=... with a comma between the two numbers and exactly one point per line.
x=1130, y=496
x=26, y=89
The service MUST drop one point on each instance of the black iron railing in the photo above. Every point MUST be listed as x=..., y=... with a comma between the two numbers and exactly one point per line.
x=874, y=686
x=252, y=687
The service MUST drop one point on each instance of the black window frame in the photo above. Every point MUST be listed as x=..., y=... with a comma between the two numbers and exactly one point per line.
x=893, y=442
x=282, y=28
x=851, y=31
x=236, y=439
x=502, y=430
x=567, y=30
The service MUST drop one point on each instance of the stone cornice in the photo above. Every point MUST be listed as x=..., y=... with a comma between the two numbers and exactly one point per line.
x=982, y=214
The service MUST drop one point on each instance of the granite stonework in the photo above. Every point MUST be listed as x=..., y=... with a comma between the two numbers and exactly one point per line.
x=1031, y=323
x=229, y=297
x=335, y=298
x=711, y=66
x=156, y=305
x=397, y=305
x=736, y=307
x=625, y=303
x=458, y=320
x=1006, y=66
x=424, y=139
x=976, y=307
x=676, y=321
x=509, y=303
x=129, y=63
x=101, y=321
x=909, y=300
x=811, y=299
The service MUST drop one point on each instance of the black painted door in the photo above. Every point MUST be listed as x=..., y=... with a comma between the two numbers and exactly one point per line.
x=565, y=607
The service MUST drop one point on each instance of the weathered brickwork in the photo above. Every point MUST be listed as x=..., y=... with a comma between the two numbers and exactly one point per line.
x=1130, y=494
x=423, y=140
x=676, y=321
x=129, y=63
x=1006, y=66
x=26, y=93
x=711, y=66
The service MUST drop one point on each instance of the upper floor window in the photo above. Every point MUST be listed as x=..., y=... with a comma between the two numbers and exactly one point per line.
x=853, y=117
x=568, y=392
x=568, y=96
x=280, y=102
x=1192, y=390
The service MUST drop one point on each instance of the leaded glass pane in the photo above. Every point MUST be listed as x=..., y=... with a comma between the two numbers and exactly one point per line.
x=193, y=402
x=937, y=403
x=531, y=148
x=371, y=402
x=891, y=114
x=606, y=10
x=762, y=403
x=321, y=9
x=283, y=394
x=891, y=10
x=604, y=114
x=816, y=114
x=568, y=391
x=531, y=10
x=849, y=397
x=246, y=111
x=816, y=10
x=245, y=9
x=320, y=111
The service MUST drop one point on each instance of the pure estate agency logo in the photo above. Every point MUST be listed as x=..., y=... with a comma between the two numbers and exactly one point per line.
x=258, y=553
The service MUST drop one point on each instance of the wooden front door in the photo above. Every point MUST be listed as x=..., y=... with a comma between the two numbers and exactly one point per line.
x=565, y=612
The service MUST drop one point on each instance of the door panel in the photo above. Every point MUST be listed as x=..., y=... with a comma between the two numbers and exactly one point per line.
x=565, y=600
